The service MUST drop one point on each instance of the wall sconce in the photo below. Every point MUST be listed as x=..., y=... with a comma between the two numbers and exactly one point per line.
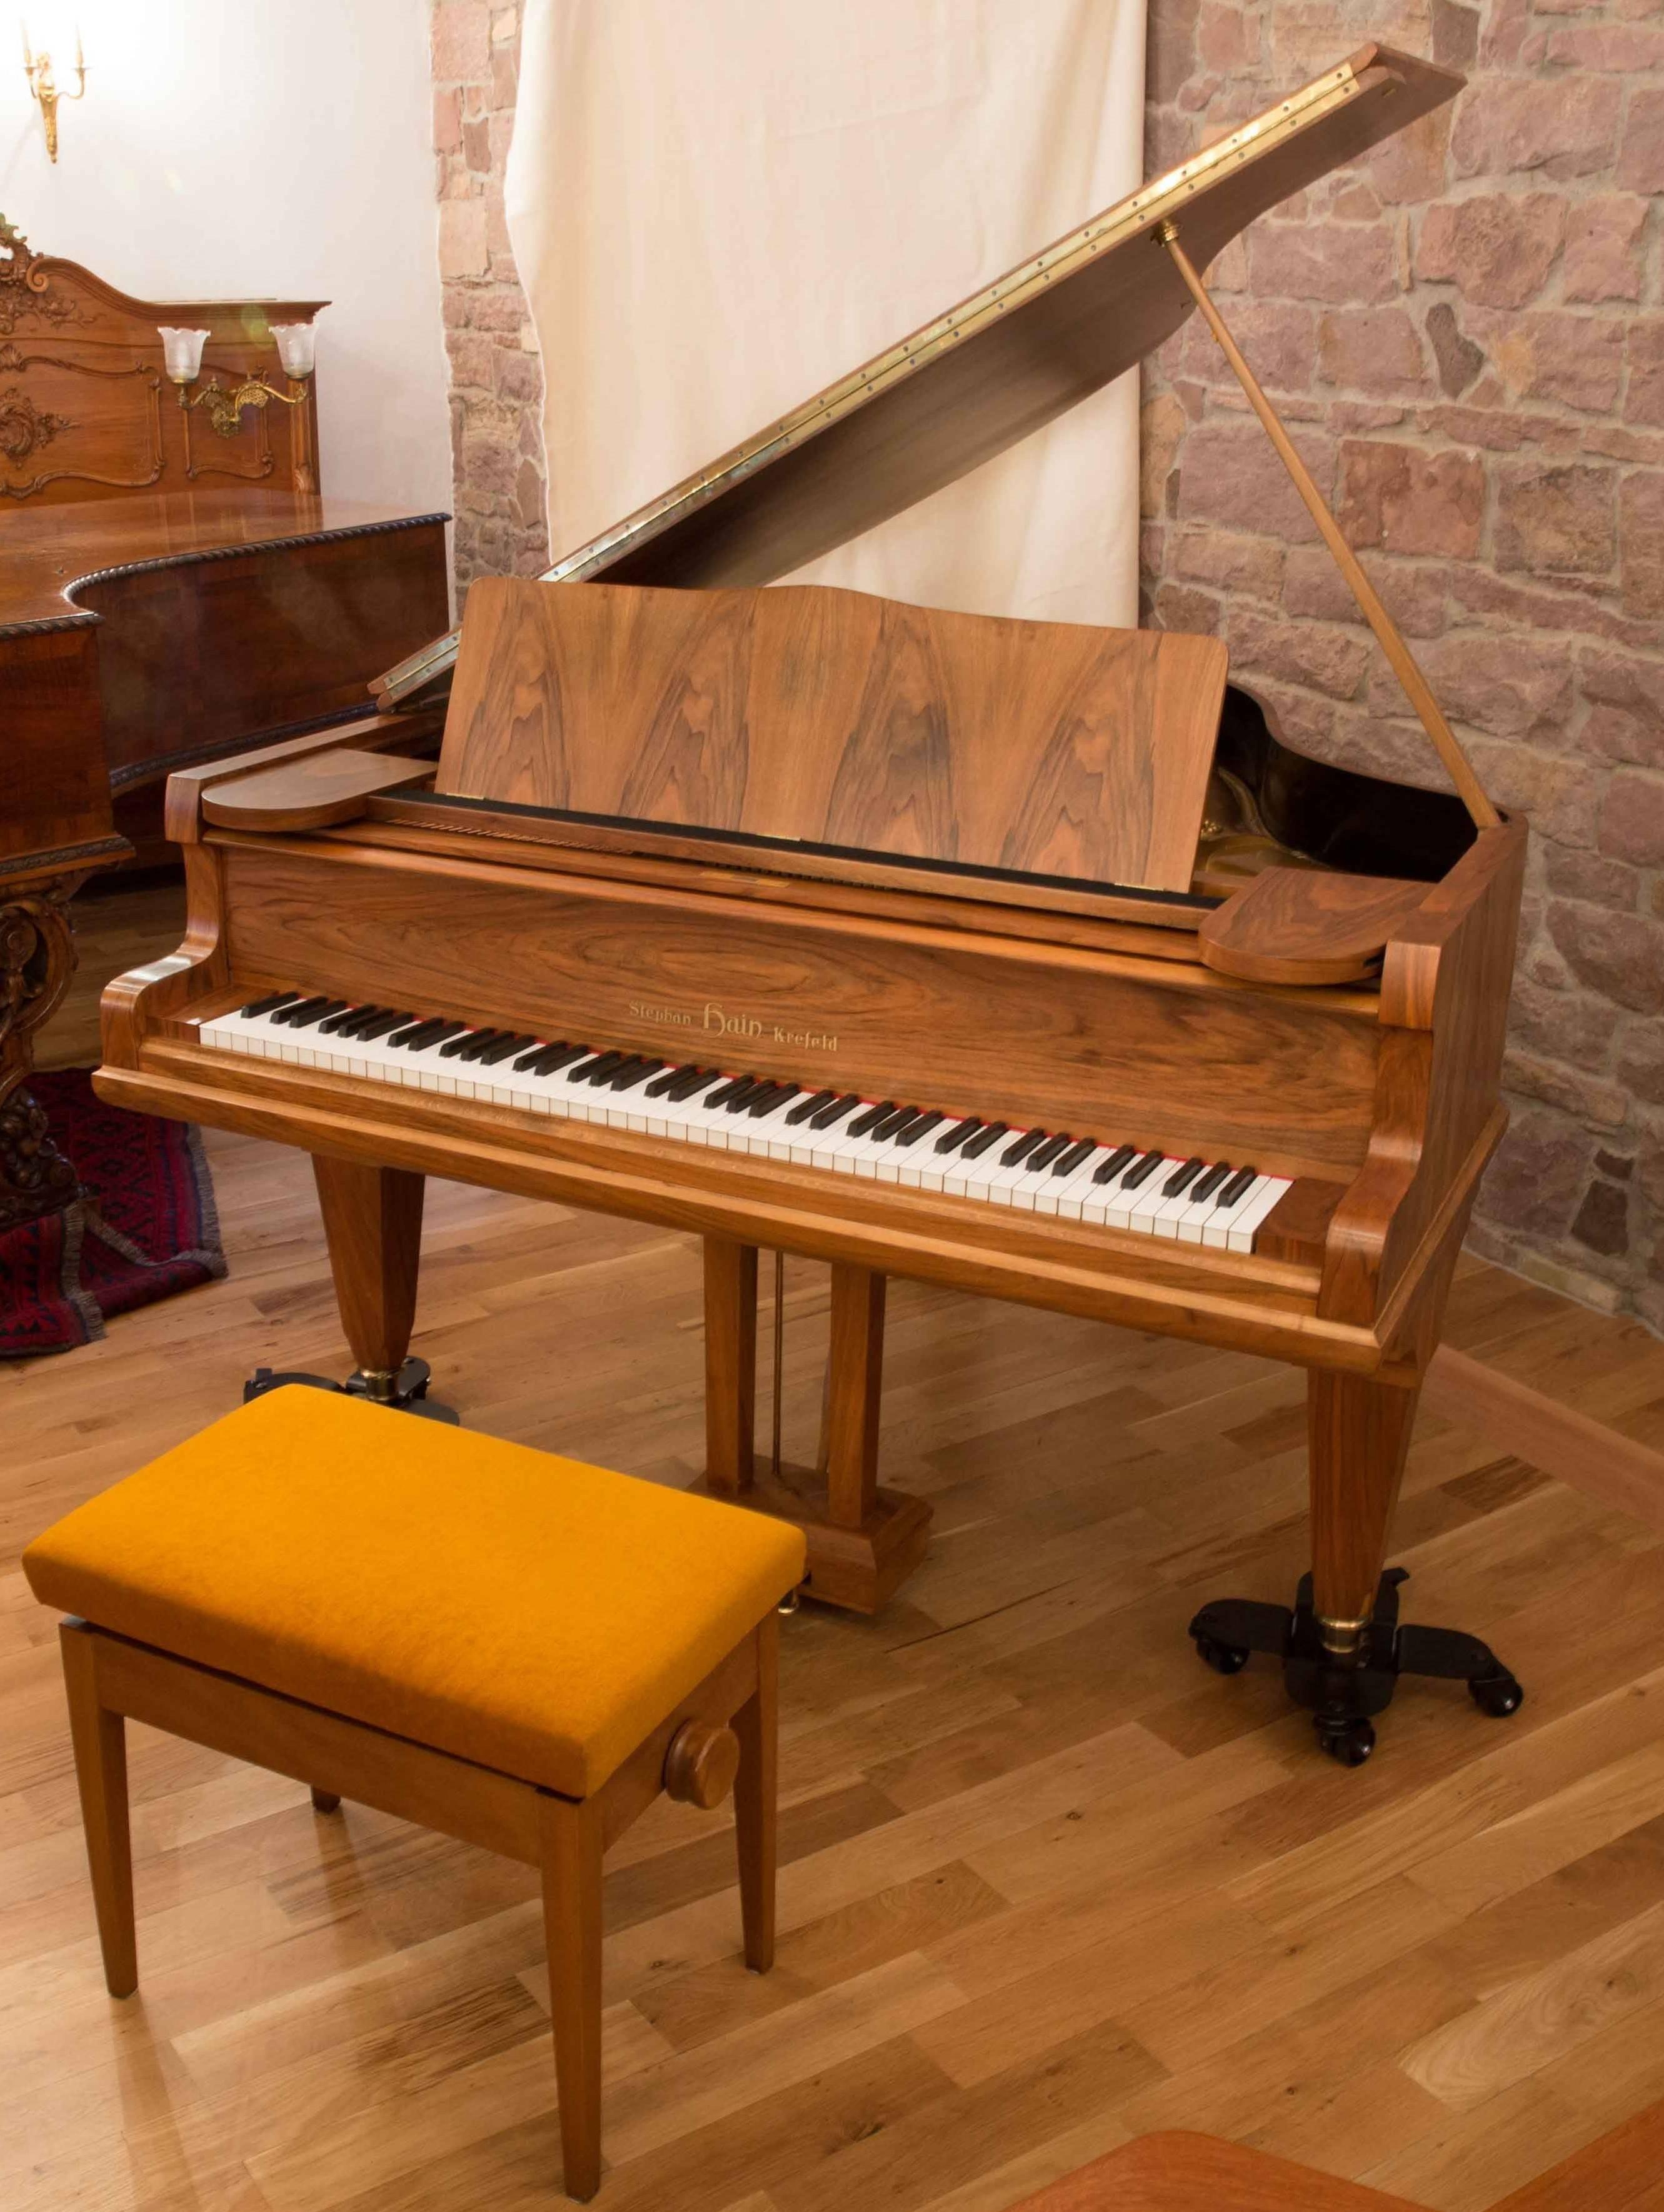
x=37, y=67
x=223, y=405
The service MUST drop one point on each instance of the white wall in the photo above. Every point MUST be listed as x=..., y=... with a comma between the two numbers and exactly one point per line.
x=279, y=148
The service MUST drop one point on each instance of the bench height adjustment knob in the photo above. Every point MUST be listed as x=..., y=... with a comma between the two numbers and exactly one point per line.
x=701, y=1764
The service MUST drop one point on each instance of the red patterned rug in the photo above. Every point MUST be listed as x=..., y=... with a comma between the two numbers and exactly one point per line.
x=145, y=1229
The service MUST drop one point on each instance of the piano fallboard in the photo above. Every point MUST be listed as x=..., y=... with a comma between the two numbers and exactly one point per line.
x=1162, y=1051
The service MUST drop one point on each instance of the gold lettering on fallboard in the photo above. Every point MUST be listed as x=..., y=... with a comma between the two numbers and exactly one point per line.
x=717, y=1021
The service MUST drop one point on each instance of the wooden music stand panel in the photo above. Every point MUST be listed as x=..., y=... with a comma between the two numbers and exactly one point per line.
x=836, y=718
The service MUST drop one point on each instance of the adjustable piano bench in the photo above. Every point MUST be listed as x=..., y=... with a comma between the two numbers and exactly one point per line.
x=512, y=1648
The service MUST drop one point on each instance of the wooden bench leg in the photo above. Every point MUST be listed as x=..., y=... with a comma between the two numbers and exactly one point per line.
x=756, y=1725
x=572, y=1927
x=100, y=1738
x=325, y=1801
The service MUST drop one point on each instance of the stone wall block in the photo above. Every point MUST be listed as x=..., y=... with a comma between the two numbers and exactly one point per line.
x=1617, y=954
x=1555, y=521
x=1603, y=251
x=1371, y=350
x=1641, y=166
x=1641, y=534
x=461, y=40
x=1230, y=474
x=1406, y=501
x=1632, y=819
x=1497, y=248
x=1566, y=126
x=1334, y=263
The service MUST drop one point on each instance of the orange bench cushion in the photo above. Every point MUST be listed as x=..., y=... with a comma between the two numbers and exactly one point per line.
x=526, y=1611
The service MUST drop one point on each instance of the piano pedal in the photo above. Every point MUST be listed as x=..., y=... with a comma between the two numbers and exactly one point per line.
x=409, y=1394
x=1343, y=1695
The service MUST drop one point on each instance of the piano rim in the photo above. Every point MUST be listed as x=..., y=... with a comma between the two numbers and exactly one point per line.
x=1233, y=1300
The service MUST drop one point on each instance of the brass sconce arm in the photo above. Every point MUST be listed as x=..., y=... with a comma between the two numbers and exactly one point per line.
x=223, y=405
x=43, y=85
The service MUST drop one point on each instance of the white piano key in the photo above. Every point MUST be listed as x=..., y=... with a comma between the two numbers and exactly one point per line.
x=1239, y=1235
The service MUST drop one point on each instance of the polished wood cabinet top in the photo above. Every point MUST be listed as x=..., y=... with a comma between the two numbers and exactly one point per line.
x=45, y=553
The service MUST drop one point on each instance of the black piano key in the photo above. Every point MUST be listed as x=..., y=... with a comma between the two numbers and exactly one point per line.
x=1117, y=1160
x=828, y=1116
x=922, y=1127
x=628, y=1076
x=1185, y=1173
x=782, y=1092
x=1019, y=1149
x=1051, y=1150
x=985, y=1139
x=805, y=1106
x=1210, y=1182
x=305, y=1021
x=552, y=1057
x=476, y=1043
x=689, y=1086
x=1239, y=1186
x=1142, y=1170
x=379, y=1027
x=661, y=1084
x=308, y=1010
x=893, y=1124
x=505, y=1047
x=1076, y=1157
x=753, y=1086
x=950, y=1140
x=866, y=1124
x=597, y=1070
x=344, y=1025
x=423, y=1034
x=268, y=1005
x=730, y=1089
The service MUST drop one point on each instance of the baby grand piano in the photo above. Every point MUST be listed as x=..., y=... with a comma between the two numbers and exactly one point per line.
x=1016, y=957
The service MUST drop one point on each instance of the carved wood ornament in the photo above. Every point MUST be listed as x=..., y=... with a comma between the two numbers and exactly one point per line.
x=36, y=960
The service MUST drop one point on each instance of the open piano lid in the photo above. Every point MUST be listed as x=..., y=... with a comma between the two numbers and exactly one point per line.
x=1001, y=364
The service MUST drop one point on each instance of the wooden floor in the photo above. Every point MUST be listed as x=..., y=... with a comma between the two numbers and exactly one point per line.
x=1049, y=1884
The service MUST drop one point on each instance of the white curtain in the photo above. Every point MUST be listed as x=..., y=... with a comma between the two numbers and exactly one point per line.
x=718, y=206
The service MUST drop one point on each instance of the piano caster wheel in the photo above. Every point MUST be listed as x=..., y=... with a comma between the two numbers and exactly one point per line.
x=1223, y=1658
x=1348, y=1742
x=1499, y=1695
x=1344, y=1697
x=408, y=1394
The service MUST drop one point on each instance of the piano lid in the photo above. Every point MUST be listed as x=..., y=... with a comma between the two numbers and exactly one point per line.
x=999, y=364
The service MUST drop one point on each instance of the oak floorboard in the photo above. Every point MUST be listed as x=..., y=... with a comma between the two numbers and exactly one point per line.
x=1047, y=1885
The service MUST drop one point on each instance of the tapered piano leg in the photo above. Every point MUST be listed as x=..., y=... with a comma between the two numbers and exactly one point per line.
x=730, y=1366
x=863, y=1540
x=1358, y=1435
x=855, y=1367
x=373, y=1219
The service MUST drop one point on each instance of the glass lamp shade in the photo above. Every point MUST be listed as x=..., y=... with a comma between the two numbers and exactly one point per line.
x=182, y=351
x=296, y=347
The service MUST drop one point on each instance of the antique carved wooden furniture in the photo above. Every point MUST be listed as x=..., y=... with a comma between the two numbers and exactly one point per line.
x=166, y=594
x=799, y=849
x=490, y=1641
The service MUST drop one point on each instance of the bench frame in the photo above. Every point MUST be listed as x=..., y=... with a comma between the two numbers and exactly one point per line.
x=110, y=1680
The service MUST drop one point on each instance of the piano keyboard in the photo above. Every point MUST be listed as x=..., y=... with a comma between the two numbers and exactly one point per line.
x=1077, y=1177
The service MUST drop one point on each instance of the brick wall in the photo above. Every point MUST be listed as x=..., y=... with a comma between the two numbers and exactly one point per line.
x=496, y=376
x=1465, y=337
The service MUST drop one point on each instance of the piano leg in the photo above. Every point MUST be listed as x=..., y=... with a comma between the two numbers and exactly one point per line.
x=1357, y=1439
x=37, y=958
x=1342, y=1648
x=863, y=1540
x=373, y=1219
